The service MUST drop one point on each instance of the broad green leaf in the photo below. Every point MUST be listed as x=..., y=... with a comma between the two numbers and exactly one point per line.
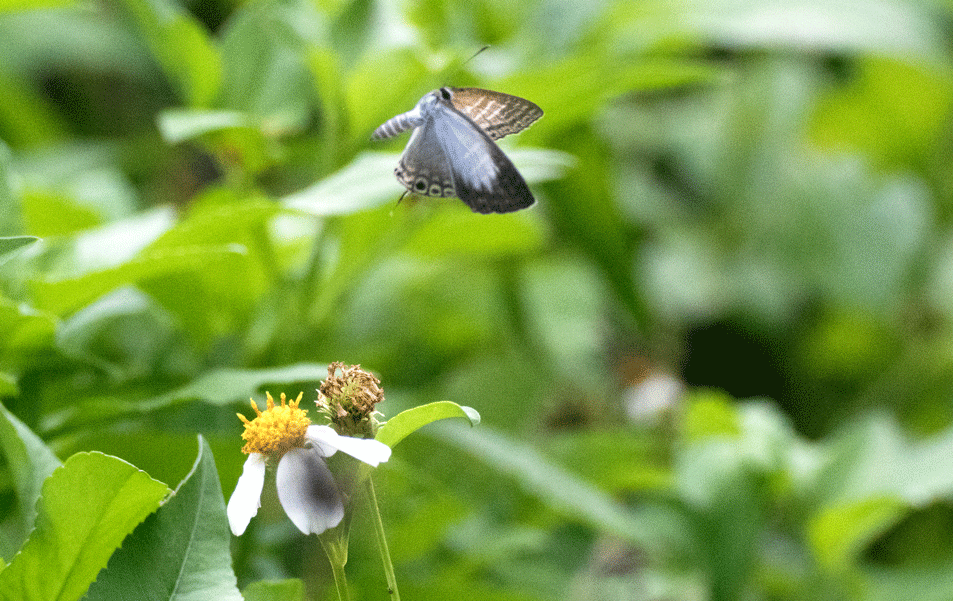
x=217, y=387
x=30, y=462
x=841, y=532
x=264, y=48
x=407, y=422
x=180, y=552
x=9, y=206
x=711, y=414
x=18, y=5
x=87, y=508
x=181, y=46
x=462, y=232
x=894, y=110
x=876, y=459
x=365, y=182
x=63, y=296
x=50, y=214
x=178, y=125
x=275, y=590
x=8, y=385
x=24, y=332
x=225, y=386
x=12, y=243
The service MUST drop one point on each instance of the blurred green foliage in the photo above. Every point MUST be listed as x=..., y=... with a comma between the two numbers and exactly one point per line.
x=746, y=202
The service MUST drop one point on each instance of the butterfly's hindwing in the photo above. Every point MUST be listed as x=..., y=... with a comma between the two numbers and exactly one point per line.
x=423, y=168
x=484, y=178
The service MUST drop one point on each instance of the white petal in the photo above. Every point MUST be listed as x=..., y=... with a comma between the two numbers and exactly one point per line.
x=368, y=450
x=307, y=491
x=246, y=498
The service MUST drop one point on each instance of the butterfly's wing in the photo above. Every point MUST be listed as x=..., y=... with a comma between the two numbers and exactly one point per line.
x=423, y=168
x=495, y=113
x=482, y=176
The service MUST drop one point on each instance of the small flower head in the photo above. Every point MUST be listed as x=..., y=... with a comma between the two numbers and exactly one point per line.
x=349, y=399
x=277, y=429
x=306, y=487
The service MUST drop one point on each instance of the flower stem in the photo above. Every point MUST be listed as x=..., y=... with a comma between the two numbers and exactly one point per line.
x=340, y=581
x=336, y=550
x=382, y=541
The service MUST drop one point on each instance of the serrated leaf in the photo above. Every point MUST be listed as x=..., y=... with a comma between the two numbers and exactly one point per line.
x=87, y=507
x=30, y=462
x=407, y=422
x=181, y=552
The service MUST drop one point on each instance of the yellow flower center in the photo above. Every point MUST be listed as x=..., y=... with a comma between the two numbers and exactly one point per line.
x=277, y=429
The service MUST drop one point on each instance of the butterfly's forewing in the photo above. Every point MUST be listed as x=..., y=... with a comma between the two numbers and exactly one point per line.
x=423, y=168
x=495, y=113
x=483, y=177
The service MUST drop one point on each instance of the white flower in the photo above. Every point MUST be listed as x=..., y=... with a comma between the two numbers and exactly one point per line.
x=306, y=488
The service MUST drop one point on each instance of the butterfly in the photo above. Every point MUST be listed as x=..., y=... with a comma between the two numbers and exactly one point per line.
x=452, y=151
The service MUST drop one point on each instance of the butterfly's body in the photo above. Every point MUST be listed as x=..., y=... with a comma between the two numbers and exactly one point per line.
x=452, y=150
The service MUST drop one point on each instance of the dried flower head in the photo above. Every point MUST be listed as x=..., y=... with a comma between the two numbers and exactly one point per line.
x=348, y=399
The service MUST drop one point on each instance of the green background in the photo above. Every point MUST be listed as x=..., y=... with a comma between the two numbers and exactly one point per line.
x=714, y=361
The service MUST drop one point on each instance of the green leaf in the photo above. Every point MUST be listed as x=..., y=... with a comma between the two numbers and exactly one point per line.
x=24, y=332
x=181, y=46
x=839, y=533
x=407, y=422
x=178, y=125
x=30, y=462
x=9, y=244
x=217, y=387
x=712, y=413
x=275, y=590
x=365, y=182
x=10, y=218
x=460, y=231
x=181, y=551
x=87, y=507
x=18, y=5
x=263, y=46
x=63, y=296
x=223, y=386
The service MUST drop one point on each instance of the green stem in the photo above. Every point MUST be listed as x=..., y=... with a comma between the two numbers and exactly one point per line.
x=340, y=581
x=382, y=541
x=336, y=550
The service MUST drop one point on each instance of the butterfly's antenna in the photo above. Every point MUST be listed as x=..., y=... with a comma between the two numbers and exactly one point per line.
x=402, y=197
x=475, y=54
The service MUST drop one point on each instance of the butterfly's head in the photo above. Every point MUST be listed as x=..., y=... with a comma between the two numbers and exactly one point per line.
x=430, y=101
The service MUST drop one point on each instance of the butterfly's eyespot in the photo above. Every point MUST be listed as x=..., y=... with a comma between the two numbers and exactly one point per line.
x=435, y=190
x=445, y=93
x=421, y=185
